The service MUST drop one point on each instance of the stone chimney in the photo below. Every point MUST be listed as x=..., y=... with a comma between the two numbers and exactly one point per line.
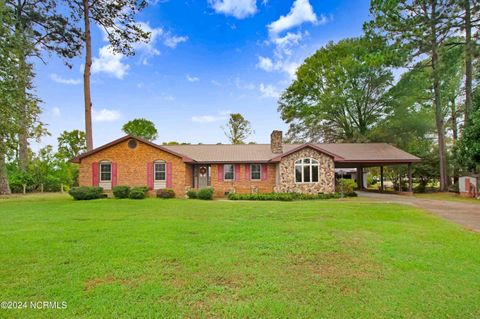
x=276, y=141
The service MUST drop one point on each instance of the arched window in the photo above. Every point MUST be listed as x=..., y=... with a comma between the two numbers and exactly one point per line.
x=306, y=170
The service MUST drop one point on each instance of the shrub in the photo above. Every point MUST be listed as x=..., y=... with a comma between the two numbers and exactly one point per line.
x=205, y=193
x=165, y=193
x=86, y=192
x=288, y=196
x=121, y=191
x=345, y=185
x=192, y=194
x=137, y=193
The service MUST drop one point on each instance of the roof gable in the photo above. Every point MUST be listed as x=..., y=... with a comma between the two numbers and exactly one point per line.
x=127, y=137
x=307, y=145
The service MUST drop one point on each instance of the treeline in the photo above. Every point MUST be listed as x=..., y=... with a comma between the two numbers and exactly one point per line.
x=29, y=30
x=410, y=80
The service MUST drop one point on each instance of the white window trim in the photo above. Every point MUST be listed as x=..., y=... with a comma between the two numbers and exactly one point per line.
x=155, y=171
x=100, y=172
x=302, y=165
x=224, y=171
x=251, y=171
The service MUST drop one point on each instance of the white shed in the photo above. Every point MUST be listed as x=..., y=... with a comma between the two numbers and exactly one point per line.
x=468, y=186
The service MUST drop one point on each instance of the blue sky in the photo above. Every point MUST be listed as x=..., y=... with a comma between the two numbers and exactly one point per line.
x=206, y=58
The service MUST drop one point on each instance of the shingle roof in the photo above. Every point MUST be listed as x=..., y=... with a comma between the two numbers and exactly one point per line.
x=261, y=152
x=251, y=153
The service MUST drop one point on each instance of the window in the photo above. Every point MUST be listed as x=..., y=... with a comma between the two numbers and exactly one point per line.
x=132, y=144
x=105, y=172
x=255, y=171
x=306, y=170
x=228, y=172
x=159, y=169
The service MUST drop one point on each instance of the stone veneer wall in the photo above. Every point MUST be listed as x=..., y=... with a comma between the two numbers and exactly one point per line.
x=326, y=182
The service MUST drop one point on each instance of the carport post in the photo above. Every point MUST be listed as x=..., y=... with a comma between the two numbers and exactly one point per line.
x=360, y=178
x=381, y=179
x=410, y=181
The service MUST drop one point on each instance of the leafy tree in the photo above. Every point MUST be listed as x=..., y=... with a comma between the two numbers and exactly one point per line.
x=467, y=20
x=117, y=19
x=13, y=98
x=175, y=143
x=418, y=28
x=338, y=93
x=141, y=128
x=237, y=129
x=71, y=144
x=38, y=27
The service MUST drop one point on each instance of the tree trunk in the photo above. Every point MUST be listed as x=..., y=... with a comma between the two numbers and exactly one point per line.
x=23, y=133
x=468, y=61
x=439, y=118
x=86, y=77
x=23, y=80
x=4, y=186
x=454, y=120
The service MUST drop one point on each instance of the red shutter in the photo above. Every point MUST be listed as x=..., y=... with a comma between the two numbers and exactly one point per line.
x=264, y=172
x=220, y=172
x=114, y=174
x=150, y=175
x=247, y=172
x=237, y=172
x=95, y=174
x=169, y=175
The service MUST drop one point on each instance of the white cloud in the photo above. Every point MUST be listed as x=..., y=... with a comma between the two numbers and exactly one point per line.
x=110, y=63
x=243, y=86
x=216, y=83
x=300, y=12
x=284, y=45
x=172, y=41
x=57, y=78
x=221, y=116
x=269, y=91
x=56, y=111
x=281, y=65
x=148, y=49
x=238, y=8
x=191, y=78
x=105, y=115
x=265, y=64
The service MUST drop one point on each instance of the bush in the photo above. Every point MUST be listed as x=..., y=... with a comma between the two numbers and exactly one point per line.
x=192, y=194
x=86, y=192
x=346, y=186
x=165, y=193
x=137, y=193
x=121, y=191
x=205, y=193
x=288, y=196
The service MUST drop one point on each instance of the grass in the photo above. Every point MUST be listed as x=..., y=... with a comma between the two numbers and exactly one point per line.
x=448, y=196
x=220, y=259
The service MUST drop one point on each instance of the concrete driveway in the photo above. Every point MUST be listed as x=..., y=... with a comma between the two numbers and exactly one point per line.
x=465, y=214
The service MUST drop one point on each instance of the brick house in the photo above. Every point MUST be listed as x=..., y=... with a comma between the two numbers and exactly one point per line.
x=246, y=168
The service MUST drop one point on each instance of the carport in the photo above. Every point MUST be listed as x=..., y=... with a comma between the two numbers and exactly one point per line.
x=361, y=156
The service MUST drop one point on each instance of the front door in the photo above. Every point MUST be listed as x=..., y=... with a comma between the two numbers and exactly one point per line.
x=203, y=176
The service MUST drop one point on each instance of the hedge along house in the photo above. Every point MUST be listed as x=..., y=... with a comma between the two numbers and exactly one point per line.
x=246, y=168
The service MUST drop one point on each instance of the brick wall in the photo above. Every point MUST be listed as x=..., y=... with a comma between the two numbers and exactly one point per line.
x=132, y=166
x=243, y=185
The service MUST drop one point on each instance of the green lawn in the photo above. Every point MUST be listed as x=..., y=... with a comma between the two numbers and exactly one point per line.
x=186, y=258
x=448, y=197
